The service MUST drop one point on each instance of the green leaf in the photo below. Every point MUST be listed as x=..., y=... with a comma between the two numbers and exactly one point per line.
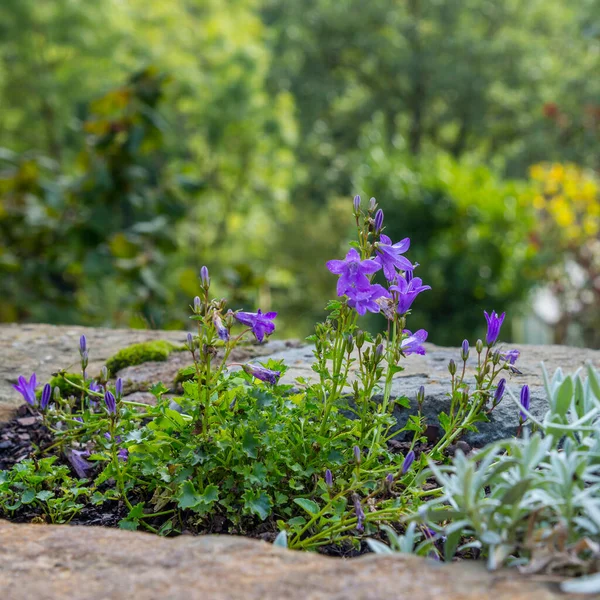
x=128, y=525
x=44, y=495
x=297, y=522
x=444, y=421
x=312, y=508
x=188, y=496
x=249, y=444
x=28, y=496
x=563, y=398
x=257, y=503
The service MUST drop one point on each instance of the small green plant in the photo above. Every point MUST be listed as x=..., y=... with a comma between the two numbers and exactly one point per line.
x=136, y=354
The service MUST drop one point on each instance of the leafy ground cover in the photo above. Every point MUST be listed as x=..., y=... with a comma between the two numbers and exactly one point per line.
x=313, y=465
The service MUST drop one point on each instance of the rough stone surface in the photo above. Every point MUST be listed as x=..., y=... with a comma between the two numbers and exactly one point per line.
x=46, y=348
x=48, y=562
x=431, y=371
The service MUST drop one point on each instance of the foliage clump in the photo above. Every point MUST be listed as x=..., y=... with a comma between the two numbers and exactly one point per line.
x=136, y=354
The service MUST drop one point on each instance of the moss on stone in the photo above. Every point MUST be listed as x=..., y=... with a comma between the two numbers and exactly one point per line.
x=136, y=354
x=66, y=389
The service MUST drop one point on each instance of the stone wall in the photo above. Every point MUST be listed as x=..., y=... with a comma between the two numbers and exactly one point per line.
x=45, y=349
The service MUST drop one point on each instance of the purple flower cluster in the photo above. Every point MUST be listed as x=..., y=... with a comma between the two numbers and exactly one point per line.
x=261, y=323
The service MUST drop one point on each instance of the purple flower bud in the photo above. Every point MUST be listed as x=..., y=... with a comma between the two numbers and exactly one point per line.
x=46, y=393
x=379, y=351
x=408, y=461
x=378, y=220
x=356, y=203
x=111, y=403
x=357, y=456
x=328, y=478
x=262, y=373
x=119, y=388
x=190, y=341
x=123, y=454
x=204, y=278
x=421, y=395
x=82, y=344
x=494, y=323
x=360, y=514
x=107, y=436
x=197, y=304
x=464, y=353
x=372, y=204
x=389, y=479
x=499, y=391
x=452, y=367
x=525, y=401
x=222, y=331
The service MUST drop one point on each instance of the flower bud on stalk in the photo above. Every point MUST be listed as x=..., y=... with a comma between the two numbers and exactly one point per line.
x=499, y=392
x=104, y=375
x=197, y=305
x=349, y=343
x=356, y=204
x=420, y=397
x=119, y=388
x=479, y=346
x=464, y=352
x=222, y=331
x=328, y=475
x=408, y=461
x=525, y=402
x=357, y=456
x=56, y=394
x=465, y=397
x=379, y=351
x=204, y=277
x=452, y=367
x=190, y=342
x=378, y=220
x=496, y=357
x=111, y=403
x=46, y=393
x=360, y=338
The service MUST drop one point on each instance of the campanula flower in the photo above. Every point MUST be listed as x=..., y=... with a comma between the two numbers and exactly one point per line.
x=78, y=462
x=204, y=277
x=499, y=393
x=357, y=456
x=408, y=461
x=407, y=291
x=378, y=224
x=197, y=304
x=511, y=356
x=353, y=272
x=360, y=514
x=464, y=351
x=328, y=478
x=356, y=203
x=413, y=344
x=119, y=388
x=123, y=454
x=82, y=345
x=46, y=394
x=222, y=331
x=94, y=387
x=262, y=324
x=363, y=300
x=262, y=373
x=389, y=256
x=494, y=322
x=27, y=388
x=525, y=401
x=110, y=401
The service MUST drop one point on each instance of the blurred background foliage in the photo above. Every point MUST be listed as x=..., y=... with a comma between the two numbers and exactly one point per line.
x=140, y=140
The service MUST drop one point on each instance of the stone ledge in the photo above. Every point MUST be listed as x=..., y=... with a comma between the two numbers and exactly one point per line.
x=93, y=563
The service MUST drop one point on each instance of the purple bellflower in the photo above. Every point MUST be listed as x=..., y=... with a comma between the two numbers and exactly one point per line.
x=407, y=291
x=378, y=224
x=328, y=478
x=499, y=393
x=356, y=203
x=360, y=514
x=262, y=373
x=353, y=272
x=408, y=461
x=262, y=324
x=363, y=300
x=413, y=344
x=389, y=256
x=525, y=401
x=110, y=401
x=78, y=462
x=357, y=455
x=123, y=454
x=119, y=388
x=222, y=331
x=204, y=277
x=46, y=394
x=27, y=388
x=464, y=351
x=494, y=322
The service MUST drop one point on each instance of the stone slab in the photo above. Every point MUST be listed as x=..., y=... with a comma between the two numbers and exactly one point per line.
x=48, y=562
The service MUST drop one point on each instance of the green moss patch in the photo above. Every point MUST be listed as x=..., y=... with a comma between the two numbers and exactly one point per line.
x=66, y=389
x=136, y=354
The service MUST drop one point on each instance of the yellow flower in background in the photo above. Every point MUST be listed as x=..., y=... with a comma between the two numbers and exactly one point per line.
x=567, y=199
